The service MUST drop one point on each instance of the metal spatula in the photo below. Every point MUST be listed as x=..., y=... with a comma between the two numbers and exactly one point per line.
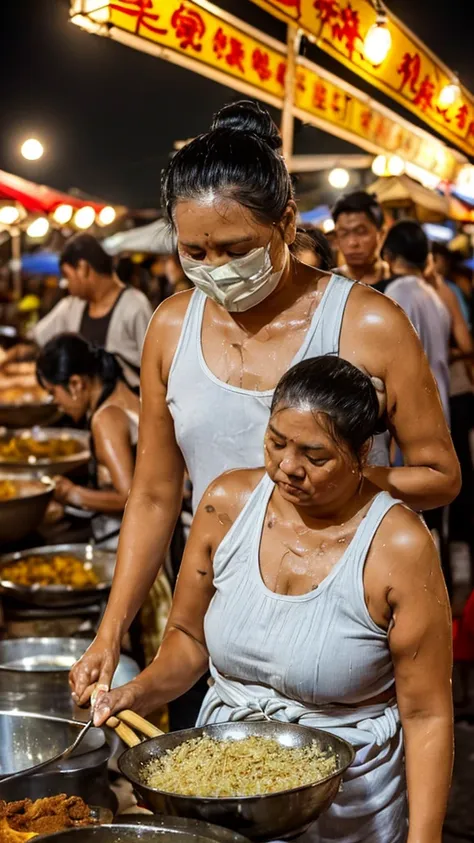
x=60, y=757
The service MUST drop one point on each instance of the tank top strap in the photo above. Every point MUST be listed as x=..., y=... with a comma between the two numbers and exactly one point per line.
x=325, y=330
x=246, y=527
x=190, y=338
x=381, y=504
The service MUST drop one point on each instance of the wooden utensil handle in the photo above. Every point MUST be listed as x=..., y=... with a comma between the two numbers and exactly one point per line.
x=125, y=734
x=139, y=723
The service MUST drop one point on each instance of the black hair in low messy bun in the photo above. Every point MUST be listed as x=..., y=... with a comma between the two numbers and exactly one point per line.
x=239, y=158
x=69, y=354
x=332, y=386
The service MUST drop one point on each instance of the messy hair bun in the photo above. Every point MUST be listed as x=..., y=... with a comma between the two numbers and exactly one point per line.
x=237, y=159
x=250, y=117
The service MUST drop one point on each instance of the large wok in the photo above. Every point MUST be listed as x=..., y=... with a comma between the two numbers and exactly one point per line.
x=134, y=828
x=22, y=514
x=103, y=562
x=27, y=413
x=260, y=818
x=59, y=465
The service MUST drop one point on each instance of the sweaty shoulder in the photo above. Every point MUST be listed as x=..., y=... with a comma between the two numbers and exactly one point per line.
x=227, y=495
x=165, y=329
x=401, y=542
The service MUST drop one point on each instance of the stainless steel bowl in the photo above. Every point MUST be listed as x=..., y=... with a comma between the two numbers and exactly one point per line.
x=28, y=414
x=273, y=816
x=34, y=674
x=60, y=465
x=134, y=828
x=21, y=515
x=103, y=562
x=26, y=739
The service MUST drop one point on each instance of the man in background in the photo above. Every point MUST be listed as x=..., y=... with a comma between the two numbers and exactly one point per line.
x=359, y=229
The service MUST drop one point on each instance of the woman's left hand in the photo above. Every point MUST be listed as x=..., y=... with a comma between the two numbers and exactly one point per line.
x=66, y=491
x=126, y=697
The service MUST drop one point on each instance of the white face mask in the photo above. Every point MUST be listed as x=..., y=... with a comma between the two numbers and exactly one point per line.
x=238, y=285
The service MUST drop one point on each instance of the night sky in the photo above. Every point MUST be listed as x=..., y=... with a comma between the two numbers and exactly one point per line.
x=108, y=115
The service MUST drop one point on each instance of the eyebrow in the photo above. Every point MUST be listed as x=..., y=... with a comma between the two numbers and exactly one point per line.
x=303, y=447
x=220, y=242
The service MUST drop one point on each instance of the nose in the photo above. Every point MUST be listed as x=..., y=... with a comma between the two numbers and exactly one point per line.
x=291, y=465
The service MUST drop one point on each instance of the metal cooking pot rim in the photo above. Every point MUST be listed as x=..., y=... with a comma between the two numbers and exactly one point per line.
x=222, y=799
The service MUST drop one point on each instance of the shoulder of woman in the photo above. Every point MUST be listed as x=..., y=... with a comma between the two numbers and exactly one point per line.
x=108, y=418
x=229, y=492
x=375, y=312
x=403, y=543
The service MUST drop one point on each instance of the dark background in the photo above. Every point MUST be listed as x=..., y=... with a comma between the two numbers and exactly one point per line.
x=108, y=115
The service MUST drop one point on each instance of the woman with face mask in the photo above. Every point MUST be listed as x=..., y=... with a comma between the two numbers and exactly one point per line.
x=213, y=356
x=306, y=587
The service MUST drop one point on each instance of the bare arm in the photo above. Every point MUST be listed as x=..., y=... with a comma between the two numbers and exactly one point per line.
x=380, y=339
x=110, y=430
x=420, y=644
x=182, y=657
x=150, y=516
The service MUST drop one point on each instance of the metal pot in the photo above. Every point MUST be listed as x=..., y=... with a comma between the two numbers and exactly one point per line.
x=22, y=514
x=134, y=828
x=26, y=739
x=34, y=674
x=49, y=596
x=59, y=465
x=28, y=414
x=269, y=817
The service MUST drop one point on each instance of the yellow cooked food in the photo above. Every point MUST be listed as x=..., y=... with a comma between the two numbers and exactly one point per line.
x=8, y=490
x=23, y=395
x=21, y=448
x=57, y=569
x=249, y=767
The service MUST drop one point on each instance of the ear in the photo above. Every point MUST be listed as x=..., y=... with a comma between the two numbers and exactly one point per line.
x=76, y=386
x=83, y=267
x=288, y=223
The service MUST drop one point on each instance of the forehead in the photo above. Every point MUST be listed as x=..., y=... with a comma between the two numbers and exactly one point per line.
x=354, y=219
x=214, y=217
x=302, y=426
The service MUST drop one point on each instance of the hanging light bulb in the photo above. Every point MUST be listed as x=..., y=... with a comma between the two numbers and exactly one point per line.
x=395, y=165
x=338, y=178
x=38, y=228
x=107, y=215
x=9, y=215
x=449, y=94
x=378, y=41
x=328, y=225
x=84, y=217
x=379, y=165
x=63, y=214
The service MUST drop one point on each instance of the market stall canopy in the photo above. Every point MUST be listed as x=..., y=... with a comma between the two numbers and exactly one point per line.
x=41, y=263
x=404, y=192
x=37, y=198
x=155, y=239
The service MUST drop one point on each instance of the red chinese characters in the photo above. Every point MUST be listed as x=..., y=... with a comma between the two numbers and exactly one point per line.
x=142, y=11
x=319, y=96
x=261, y=64
x=409, y=69
x=348, y=29
x=301, y=81
x=281, y=74
x=229, y=48
x=366, y=118
x=425, y=94
x=189, y=27
x=461, y=117
x=326, y=10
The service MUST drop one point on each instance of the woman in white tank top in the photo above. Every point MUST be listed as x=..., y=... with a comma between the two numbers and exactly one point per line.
x=88, y=381
x=213, y=356
x=319, y=599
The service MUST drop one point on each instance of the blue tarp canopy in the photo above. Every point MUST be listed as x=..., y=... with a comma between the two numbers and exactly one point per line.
x=316, y=216
x=41, y=263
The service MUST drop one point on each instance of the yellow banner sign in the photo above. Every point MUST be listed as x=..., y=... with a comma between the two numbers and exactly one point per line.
x=410, y=74
x=229, y=46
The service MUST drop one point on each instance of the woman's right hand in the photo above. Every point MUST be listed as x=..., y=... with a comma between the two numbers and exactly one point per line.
x=96, y=667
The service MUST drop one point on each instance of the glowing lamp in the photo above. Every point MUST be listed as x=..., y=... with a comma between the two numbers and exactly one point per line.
x=38, y=228
x=449, y=95
x=378, y=42
x=107, y=215
x=338, y=178
x=32, y=149
x=84, y=217
x=395, y=165
x=9, y=215
x=63, y=214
